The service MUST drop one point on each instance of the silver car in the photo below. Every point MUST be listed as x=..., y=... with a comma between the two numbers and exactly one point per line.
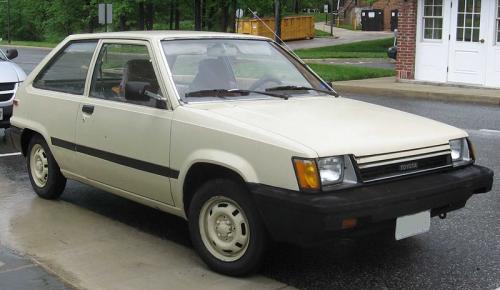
x=11, y=75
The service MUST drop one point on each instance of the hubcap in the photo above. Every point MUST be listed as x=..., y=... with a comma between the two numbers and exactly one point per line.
x=39, y=165
x=224, y=228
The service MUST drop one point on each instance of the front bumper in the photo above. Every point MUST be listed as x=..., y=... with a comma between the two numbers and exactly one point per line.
x=305, y=219
x=7, y=113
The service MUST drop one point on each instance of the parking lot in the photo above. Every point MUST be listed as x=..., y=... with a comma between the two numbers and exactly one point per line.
x=95, y=240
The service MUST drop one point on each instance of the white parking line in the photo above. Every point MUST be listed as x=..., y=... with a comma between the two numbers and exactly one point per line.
x=10, y=154
x=490, y=131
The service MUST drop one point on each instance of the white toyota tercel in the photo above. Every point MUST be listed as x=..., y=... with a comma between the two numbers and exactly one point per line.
x=239, y=137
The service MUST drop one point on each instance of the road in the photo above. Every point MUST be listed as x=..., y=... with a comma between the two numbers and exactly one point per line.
x=29, y=57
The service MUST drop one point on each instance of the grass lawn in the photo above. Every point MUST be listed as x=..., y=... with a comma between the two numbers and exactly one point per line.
x=362, y=49
x=334, y=72
x=321, y=33
x=29, y=43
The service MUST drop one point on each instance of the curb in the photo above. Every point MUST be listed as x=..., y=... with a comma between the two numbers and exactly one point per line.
x=427, y=95
x=27, y=46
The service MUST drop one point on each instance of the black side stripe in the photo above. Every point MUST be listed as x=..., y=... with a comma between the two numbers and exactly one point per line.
x=119, y=159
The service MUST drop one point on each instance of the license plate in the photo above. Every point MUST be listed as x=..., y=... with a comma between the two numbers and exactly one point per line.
x=1, y=113
x=411, y=225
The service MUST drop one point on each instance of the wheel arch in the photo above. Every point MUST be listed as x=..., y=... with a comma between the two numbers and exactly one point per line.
x=202, y=171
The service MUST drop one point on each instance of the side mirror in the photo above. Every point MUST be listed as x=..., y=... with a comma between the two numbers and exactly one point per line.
x=11, y=53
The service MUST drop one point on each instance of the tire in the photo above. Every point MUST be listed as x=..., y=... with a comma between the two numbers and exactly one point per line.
x=223, y=218
x=45, y=175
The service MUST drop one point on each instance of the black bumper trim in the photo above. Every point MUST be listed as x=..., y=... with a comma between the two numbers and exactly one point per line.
x=301, y=218
x=13, y=135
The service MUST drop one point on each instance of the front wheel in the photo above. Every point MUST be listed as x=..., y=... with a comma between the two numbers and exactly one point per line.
x=226, y=229
x=44, y=173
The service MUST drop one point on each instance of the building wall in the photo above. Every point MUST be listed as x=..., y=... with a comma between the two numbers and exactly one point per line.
x=407, y=28
x=386, y=5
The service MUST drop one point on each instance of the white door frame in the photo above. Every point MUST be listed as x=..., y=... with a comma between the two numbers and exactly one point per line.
x=467, y=60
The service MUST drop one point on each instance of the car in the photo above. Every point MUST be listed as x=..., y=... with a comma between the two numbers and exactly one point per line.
x=238, y=136
x=11, y=75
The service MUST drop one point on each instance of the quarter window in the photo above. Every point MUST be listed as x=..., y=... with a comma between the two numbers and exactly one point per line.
x=433, y=19
x=67, y=71
x=124, y=73
x=468, y=20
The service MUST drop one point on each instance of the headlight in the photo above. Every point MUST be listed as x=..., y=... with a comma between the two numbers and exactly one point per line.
x=312, y=174
x=460, y=151
x=331, y=170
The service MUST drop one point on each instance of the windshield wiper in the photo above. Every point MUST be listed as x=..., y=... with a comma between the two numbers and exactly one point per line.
x=299, y=88
x=223, y=93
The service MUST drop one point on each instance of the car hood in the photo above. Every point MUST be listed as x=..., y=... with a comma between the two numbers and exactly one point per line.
x=11, y=72
x=334, y=126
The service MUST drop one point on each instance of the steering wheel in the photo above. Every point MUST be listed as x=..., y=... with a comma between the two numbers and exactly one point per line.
x=264, y=80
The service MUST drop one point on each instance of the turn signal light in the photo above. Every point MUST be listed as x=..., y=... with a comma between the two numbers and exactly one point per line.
x=307, y=174
x=349, y=223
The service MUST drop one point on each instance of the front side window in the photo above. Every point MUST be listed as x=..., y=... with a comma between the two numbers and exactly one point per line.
x=468, y=20
x=125, y=73
x=202, y=65
x=67, y=71
x=433, y=19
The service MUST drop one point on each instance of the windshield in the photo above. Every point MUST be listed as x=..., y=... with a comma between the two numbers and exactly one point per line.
x=202, y=68
x=2, y=56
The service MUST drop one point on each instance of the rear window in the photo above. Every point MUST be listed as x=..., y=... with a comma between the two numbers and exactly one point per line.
x=67, y=71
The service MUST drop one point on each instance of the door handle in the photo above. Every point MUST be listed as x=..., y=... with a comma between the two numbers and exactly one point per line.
x=88, y=109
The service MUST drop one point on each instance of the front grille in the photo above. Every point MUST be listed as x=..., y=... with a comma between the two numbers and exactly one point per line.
x=6, y=97
x=404, y=168
x=394, y=164
x=7, y=86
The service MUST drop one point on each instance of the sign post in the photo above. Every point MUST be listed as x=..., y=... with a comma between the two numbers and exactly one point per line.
x=105, y=14
x=239, y=14
x=325, y=10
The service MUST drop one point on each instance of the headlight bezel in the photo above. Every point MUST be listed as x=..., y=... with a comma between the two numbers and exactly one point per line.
x=347, y=176
x=461, y=152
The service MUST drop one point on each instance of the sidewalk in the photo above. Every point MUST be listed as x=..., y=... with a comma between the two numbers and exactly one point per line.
x=390, y=87
x=20, y=273
x=341, y=36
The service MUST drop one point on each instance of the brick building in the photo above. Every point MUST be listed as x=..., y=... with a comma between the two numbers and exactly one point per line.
x=351, y=10
x=450, y=41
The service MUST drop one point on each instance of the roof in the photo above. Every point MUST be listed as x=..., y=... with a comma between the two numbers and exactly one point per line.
x=162, y=34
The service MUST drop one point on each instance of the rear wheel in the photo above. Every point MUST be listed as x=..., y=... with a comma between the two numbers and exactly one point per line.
x=226, y=229
x=44, y=173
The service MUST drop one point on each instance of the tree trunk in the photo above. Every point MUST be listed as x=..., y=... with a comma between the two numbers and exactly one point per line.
x=149, y=16
x=177, y=15
x=296, y=7
x=171, y=17
x=123, y=22
x=204, y=14
x=232, y=16
x=140, y=24
x=197, y=14
x=225, y=16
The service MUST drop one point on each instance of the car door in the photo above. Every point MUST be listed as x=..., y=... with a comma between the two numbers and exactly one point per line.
x=123, y=128
x=55, y=95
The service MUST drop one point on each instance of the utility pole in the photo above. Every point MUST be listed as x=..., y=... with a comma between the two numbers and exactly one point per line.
x=277, y=20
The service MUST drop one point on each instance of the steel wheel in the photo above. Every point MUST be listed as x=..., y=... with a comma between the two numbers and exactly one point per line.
x=224, y=228
x=39, y=165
